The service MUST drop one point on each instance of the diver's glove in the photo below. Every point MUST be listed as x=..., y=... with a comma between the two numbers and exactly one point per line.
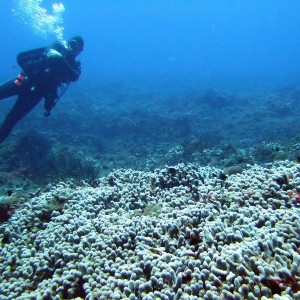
x=47, y=113
x=51, y=53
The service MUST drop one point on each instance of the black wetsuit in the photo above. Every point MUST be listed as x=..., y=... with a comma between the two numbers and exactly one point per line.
x=42, y=78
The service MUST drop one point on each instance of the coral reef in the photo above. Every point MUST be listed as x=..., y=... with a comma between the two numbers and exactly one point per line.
x=180, y=232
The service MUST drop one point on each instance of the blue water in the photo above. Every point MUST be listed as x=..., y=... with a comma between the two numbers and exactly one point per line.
x=181, y=40
x=158, y=74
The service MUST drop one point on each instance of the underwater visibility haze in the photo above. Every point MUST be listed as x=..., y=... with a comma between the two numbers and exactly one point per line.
x=170, y=168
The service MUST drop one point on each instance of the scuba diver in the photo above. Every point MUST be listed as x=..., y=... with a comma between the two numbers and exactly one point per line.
x=44, y=71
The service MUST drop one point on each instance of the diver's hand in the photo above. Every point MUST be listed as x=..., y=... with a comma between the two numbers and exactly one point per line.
x=53, y=53
x=47, y=113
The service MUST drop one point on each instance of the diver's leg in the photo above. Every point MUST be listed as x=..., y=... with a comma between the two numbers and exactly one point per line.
x=9, y=88
x=22, y=107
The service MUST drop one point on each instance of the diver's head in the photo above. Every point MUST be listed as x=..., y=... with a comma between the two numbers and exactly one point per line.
x=75, y=45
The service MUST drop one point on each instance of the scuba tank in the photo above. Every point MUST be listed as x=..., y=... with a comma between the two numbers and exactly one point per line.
x=32, y=62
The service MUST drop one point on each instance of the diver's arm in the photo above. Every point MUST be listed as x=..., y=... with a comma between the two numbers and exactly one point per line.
x=73, y=71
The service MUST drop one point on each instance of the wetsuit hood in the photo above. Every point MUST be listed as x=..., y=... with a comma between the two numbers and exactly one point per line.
x=76, y=45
